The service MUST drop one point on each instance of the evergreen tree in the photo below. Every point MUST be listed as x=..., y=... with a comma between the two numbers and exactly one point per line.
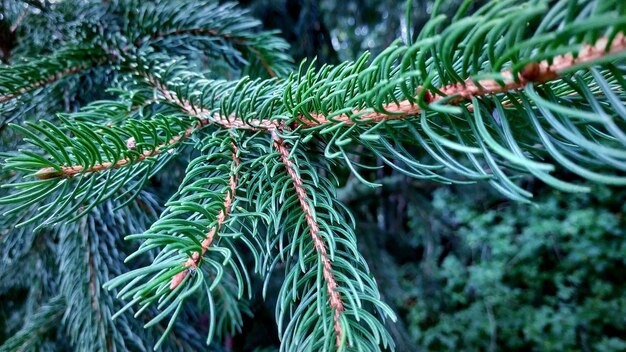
x=105, y=102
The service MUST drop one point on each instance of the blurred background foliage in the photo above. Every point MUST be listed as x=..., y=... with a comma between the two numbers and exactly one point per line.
x=469, y=271
x=464, y=268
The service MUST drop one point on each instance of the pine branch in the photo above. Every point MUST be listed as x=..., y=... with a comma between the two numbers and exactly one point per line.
x=187, y=232
x=92, y=147
x=74, y=170
x=205, y=116
x=87, y=257
x=159, y=25
x=18, y=80
x=457, y=93
x=44, y=82
x=196, y=257
x=453, y=94
x=327, y=290
x=211, y=21
x=215, y=33
x=486, y=96
x=334, y=298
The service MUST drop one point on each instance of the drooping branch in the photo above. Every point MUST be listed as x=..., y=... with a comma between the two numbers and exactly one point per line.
x=193, y=262
x=334, y=297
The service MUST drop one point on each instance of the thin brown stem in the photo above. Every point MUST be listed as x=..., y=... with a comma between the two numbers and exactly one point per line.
x=334, y=297
x=19, y=19
x=93, y=283
x=72, y=171
x=456, y=93
x=192, y=263
x=204, y=118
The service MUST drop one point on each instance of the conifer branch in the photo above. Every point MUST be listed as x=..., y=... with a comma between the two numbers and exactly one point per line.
x=334, y=297
x=41, y=321
x=456, y=93
x=205, y=116
x=212, y=32
x=71, y=171
x=535, y=72
x=156, y=24
x=192, y=263
x=49, y=80
x=171, y=97
x=475, y=97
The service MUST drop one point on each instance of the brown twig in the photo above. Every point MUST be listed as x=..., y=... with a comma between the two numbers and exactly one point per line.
x=536, y=72
x=334, y=297
x=192, y=263
x=211, y=118
x=203, y=120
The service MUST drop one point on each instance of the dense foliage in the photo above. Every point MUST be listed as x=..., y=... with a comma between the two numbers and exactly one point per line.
x=167, y=165
x=518, y=277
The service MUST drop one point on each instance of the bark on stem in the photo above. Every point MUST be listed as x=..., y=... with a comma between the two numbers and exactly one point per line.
x=211, y=118
x=203, y=120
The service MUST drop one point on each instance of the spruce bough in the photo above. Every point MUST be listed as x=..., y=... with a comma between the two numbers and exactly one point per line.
x=516, y=88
